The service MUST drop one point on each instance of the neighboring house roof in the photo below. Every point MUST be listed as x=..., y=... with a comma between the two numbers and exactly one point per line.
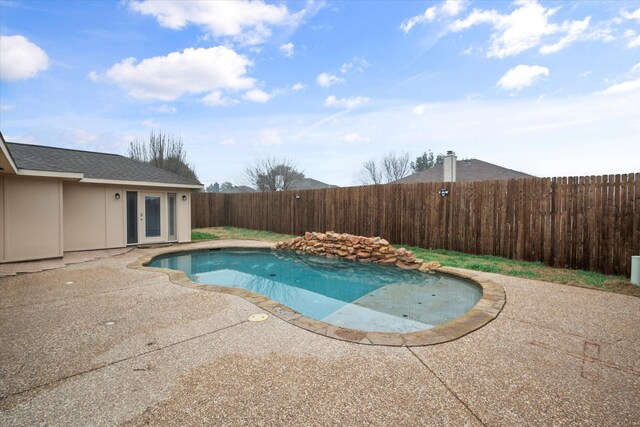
x=309, y=184
x=92, y=165
x=239, y=189
x=466, y=170
x=300, y=184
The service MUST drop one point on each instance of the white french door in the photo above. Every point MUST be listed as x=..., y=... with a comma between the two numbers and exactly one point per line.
x=151, y=224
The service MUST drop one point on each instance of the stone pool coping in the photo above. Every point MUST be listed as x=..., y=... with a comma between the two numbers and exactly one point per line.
x=486, y=309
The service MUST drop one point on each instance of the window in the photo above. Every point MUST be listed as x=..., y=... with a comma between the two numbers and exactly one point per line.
x=152, y=213
x=171, y=199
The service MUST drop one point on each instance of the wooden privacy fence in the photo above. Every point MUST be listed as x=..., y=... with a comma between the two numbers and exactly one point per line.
x=590, y=223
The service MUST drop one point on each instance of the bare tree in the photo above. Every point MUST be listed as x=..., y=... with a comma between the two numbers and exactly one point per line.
x=396, y=167
x=271, y=174
x=163, y=151
x=391, y=168
x=370, y=174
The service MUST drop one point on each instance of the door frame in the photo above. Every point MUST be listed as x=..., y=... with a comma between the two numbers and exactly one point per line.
x=142, y=216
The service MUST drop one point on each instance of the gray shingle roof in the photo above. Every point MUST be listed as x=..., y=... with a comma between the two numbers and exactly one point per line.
x=309, y=184
x=239, y=189
x=91, y=164
x=466, y=170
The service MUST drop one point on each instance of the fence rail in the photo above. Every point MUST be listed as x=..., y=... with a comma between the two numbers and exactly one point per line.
x=590, y=223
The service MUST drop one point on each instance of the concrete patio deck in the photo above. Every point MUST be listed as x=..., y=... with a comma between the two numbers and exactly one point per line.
x=128, y=347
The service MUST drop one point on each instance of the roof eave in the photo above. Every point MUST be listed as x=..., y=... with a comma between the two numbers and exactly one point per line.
x=140, y=183
x=50, y=174
x=6, y=155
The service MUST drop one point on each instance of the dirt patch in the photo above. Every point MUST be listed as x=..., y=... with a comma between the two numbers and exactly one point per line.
x=623, y=287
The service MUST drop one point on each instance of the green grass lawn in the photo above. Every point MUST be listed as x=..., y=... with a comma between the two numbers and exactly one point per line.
x=236, y=233
x=486, y=263
x=201, y=235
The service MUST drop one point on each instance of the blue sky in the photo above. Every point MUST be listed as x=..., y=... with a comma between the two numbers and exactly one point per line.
x=548, y=88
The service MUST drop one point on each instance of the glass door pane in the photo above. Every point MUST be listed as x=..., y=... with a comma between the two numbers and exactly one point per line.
x=171, y=197
x=152, y=216
x=132, y=217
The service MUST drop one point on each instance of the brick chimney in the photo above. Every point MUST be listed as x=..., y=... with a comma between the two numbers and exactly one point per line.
x=449, y=167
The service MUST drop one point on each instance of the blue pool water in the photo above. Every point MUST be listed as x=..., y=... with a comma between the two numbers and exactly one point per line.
x=344, y=293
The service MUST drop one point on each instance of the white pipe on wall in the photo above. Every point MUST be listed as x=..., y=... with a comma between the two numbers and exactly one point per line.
x=635, y=270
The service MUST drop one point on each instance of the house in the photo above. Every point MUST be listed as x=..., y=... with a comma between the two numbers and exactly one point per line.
x=54, y=200
x=454, y=170
x=238, y=189
x=309, y=184
x=299, y=184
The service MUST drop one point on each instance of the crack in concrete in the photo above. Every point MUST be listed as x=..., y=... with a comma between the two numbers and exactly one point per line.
x=115, y=362
x=585, y=358
x=54, y=264
x=476, y=416
x=562, y=331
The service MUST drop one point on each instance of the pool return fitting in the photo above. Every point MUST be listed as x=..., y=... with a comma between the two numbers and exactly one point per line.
x=259, y=317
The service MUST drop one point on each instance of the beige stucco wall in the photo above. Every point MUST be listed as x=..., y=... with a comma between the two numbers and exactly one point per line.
x=115, y=216
x=93, y=217
x=183, y=216
x=2, y=218
x=31, y=218
x=42, y=217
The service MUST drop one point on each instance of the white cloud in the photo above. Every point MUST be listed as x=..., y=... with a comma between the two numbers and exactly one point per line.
x=298, y=87
x=527, y=27
x=20, y=58
x=5, y=107
x=453, y=7
x=257, y=95
x=216, y=99
x=244, y=21
x=326, y=79
x=358, y=64
x=93, y=76
x=575, y=31
x=270, y=137
x=348, y=103
x=428, y=16
x=634, y=41
x=164, y=109
x=352, y=137
x=79, y=137
x=421, y=109
x=628, y=86
x=469, y=50
x=287, y=49
x=192, y=71
x=448, y=8
x=150, y=123
x=522, y=76
x=635, y=15
x=228, y=141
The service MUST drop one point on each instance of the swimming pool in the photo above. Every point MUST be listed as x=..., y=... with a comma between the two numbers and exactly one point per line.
x=366, y=297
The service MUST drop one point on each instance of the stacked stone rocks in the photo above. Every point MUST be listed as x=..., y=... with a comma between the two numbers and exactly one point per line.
x=356, y=248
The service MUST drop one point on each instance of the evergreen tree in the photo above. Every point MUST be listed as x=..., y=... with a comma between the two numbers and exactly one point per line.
x=426, y=161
